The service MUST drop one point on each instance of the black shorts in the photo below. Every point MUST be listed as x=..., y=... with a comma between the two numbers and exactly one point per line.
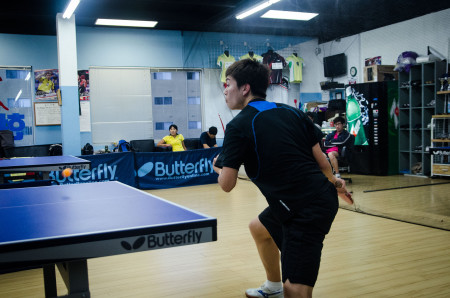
x=300, y=239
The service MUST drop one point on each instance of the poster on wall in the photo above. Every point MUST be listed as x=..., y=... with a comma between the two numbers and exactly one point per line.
x=47, y=113
x=46, y=83
x=83, y=84
x=372, y=61
x=85, y=117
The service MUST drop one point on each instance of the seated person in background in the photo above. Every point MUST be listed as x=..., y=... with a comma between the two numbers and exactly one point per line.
x=174, y=140
x=334, y=142
x=208, y=138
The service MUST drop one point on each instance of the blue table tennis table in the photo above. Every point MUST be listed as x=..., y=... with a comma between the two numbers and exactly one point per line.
x=44, y=164
x=68, y=224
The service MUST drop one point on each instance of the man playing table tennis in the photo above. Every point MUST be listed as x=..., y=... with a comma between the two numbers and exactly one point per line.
x=279, y=147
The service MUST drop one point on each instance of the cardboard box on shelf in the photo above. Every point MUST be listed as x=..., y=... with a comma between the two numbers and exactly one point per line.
x=380, y=73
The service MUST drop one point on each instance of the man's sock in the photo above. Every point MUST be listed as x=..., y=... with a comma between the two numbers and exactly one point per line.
x=274, y=285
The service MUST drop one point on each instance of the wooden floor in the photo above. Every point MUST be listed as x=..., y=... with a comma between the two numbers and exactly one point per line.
x=363, y=255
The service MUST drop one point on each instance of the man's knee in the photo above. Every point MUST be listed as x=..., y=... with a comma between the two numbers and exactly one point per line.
x=297, y=290
x=258, y=230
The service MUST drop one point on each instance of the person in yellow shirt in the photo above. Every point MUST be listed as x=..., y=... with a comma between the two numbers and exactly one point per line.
x=174, y=140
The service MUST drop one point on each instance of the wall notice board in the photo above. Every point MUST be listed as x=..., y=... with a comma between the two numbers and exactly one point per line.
x=47, y=113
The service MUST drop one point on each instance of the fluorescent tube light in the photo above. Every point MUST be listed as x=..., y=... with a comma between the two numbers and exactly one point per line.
x=289, y=15
x=126, y=23
x=71, y=8
x=18, y=95
x=28, y=76
x=256, y=9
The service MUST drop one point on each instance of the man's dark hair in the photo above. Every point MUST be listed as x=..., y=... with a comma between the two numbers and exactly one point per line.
x=248, y=71
x=339, y=119
x=213, y=130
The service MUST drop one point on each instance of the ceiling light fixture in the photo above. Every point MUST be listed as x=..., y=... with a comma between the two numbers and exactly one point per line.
x=70, y=8
x=126, y=23
x=289, y=15
x=256, y=9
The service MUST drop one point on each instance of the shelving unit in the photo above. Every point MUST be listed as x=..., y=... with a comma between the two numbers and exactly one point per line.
x=443, y=98
x=440, y=150
x=417, y=90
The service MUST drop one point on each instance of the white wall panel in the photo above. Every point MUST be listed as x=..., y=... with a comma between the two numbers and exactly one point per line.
x=121, y=104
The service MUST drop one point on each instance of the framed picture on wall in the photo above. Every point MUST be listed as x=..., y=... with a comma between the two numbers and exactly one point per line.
x=46, y=83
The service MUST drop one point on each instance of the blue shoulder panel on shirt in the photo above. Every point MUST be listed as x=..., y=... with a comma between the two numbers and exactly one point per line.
x=263, y=105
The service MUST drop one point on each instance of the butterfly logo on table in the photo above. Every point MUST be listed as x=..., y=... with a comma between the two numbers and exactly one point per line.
x=136, y=244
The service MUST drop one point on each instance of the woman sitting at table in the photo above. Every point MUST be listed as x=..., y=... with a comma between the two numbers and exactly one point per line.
x=174, y=140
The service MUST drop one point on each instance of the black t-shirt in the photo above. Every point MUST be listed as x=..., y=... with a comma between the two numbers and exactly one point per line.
x=276, y=63
x=205, y=139
x=274, y=141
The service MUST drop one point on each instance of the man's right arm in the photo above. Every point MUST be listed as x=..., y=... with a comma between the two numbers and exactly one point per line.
x=325, y=166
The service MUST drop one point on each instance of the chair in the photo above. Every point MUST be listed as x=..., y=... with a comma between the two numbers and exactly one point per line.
x=345, y=157
x=6, y=143
x=192, y=144
x=143, y=145
x=163, y=149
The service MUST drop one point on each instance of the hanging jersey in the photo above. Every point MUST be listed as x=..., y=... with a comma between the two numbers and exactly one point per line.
x=295, y=68
x=224, y=62
x=279, y=93
x=276, y=64
x=255, y=57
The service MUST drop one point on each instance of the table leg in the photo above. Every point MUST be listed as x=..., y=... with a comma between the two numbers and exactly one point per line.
x=50, y=280
x=75, y=276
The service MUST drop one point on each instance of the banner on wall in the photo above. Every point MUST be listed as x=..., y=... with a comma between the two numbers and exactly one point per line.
x=104, y=167
x=46, y=83
x=174, y=169
x=16, y=113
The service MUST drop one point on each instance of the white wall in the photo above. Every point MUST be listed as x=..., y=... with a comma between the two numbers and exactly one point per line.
x=388, y=42
x=128, y=47
x=313, y=72
x=214, y=102
x=412, y=35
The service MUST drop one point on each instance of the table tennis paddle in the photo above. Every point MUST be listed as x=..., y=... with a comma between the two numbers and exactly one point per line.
x=347, y=197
